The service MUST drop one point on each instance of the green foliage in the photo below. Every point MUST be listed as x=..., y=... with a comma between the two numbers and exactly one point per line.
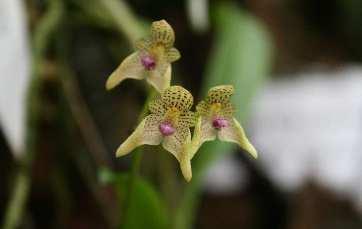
x=147, y=209
x=241, y=57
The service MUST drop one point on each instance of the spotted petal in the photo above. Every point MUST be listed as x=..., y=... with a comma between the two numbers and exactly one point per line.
x=156, y=107
x=178, y=97
x=220, y=94
x=227, y=110
x=162, y=33
x=203, y=108
x=186, y=119
x=131, y=67
x=235, y=133
x=143, y=44
x=172, y=55
x=147, y=133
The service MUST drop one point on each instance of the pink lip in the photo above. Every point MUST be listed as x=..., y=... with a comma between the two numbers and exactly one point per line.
x=148, y=62
x=166, y=129
x=219, y=123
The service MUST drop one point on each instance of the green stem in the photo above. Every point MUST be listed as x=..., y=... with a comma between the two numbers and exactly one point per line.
x=17, y=201
x=169, y=184
x=127, y=24
x=136, y=163
x=15, y=208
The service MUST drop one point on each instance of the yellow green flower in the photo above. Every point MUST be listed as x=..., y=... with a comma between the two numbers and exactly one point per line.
x=151, y=60
x=216, y=119
x=168, y=124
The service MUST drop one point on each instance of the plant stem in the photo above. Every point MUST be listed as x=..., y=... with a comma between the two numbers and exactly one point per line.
x=17, y=201
x=136, y=163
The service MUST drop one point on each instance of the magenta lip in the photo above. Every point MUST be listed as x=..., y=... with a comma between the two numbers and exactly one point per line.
x=148, y=62
x=219, y=123
x=166, y=129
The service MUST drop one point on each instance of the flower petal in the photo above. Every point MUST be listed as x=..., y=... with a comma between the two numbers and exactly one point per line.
x=143, y=44
x=220, y=94
x=162, y=33
x=172, y=55
x=146, y=133
x=227, y=110
x=235, y=133
x=208, y=132
x=186, y=119
x=204, y=131
x=175, y=144
x=185, y=165
x=178, y=97
x=160, y=77
x=131, y=67
x=156, y=107
x=203, y=108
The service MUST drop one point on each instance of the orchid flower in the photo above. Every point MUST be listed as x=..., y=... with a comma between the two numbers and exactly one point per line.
x=168, y=124
x=151, y=60
x=215, y=119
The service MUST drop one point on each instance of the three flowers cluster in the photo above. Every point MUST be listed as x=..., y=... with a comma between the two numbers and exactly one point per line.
x=170, y=118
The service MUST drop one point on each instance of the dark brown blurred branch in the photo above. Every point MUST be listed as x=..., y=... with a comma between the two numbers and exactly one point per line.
x=82, y=116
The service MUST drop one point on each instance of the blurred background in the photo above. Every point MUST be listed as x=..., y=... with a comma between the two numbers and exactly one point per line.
x=296, y=67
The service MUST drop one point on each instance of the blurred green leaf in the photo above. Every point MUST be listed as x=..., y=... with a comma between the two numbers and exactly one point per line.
x=241, y=57
x=147, y=209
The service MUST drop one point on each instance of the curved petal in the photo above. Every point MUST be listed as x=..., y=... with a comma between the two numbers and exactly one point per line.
x=235, y=133
x=219, y=94
x=146, y=133
x=156, y=107
x=131, y=67
x=175, y=144
x=204, y=131
x=227, y=110
x=159, y=78
x=203, y=108
x=178, y=97
x=186, y=119
x=162, y=33
x=185, y=165
x=172, y=55
x=208, y=132
x=143, y=44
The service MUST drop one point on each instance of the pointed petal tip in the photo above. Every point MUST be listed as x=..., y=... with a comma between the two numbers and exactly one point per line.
x=186, y=172
x=112, y=81
x=250, y=149
x=254, y=154
x=185, y=165
x=188, y=179
x=120, y=152
x=109, y=86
